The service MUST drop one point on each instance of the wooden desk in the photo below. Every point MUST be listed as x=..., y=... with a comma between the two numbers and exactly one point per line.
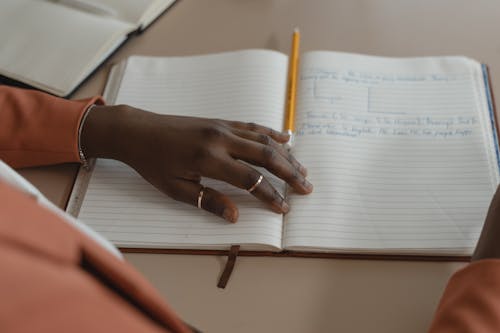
x=290, y=294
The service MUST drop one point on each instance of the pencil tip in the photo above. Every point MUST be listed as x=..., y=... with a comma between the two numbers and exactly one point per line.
x=296, y=29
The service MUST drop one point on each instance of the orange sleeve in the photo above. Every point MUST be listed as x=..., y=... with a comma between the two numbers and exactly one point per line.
x=471, y=301
x=39, y=129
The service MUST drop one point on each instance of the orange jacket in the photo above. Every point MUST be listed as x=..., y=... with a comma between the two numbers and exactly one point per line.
x=68, y=283
x=471, y=300
x=54, y=278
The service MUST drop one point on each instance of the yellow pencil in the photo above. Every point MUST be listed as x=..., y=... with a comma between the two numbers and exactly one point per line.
x=293, y=67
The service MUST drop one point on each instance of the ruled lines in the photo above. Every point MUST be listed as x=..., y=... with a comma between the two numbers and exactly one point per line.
x=400, y=159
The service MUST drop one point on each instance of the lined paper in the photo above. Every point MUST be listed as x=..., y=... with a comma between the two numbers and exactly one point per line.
x=400, y=152
x=245, y=86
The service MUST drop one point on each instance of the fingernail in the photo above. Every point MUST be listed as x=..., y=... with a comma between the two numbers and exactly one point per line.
x=303, y=170
x=285, y=207
x=230, y=215
x=308, y=185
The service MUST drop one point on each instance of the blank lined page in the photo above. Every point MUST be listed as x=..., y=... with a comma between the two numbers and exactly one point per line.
x=245, y=86
x=401, y=153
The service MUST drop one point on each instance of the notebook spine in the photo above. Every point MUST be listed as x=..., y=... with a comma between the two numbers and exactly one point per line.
x=492, y=110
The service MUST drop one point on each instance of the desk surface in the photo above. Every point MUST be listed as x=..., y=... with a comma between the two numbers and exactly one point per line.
x=292, y=294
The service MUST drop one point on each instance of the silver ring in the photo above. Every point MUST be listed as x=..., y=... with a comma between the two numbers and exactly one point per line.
x=256, y=184
x=200, y=197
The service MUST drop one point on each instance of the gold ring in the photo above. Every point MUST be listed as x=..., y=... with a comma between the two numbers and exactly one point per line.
x=256, y=184
x=200, y=197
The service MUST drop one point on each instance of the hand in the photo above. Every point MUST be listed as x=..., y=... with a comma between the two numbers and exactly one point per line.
x=488, y=245
x=174, y=152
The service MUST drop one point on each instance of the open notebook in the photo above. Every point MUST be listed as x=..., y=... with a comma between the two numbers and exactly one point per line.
x=53, y=45
x=402, y=153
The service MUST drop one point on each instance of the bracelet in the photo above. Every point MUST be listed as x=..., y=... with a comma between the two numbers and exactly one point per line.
x=83, y=159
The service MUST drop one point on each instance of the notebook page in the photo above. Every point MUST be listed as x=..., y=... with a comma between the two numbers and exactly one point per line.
x=400, y=152
x=245, y=86
x=52, y=46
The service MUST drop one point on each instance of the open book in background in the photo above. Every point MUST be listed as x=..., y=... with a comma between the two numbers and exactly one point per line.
x=54, y=45
x=402, y=153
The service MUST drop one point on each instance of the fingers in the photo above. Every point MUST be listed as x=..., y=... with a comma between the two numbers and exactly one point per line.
x=266, y=192
x=269, y=141
x=210, y=199
x=269, y=157
x=245, y=177
x=219, y=159
x=252, y=127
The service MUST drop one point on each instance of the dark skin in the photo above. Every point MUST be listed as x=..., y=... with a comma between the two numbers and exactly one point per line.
x=174, y=152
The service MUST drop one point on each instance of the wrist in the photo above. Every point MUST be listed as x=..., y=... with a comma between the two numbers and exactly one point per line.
x=102, y=130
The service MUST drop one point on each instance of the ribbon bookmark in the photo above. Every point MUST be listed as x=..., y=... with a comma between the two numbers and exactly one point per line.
x=228, y=269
